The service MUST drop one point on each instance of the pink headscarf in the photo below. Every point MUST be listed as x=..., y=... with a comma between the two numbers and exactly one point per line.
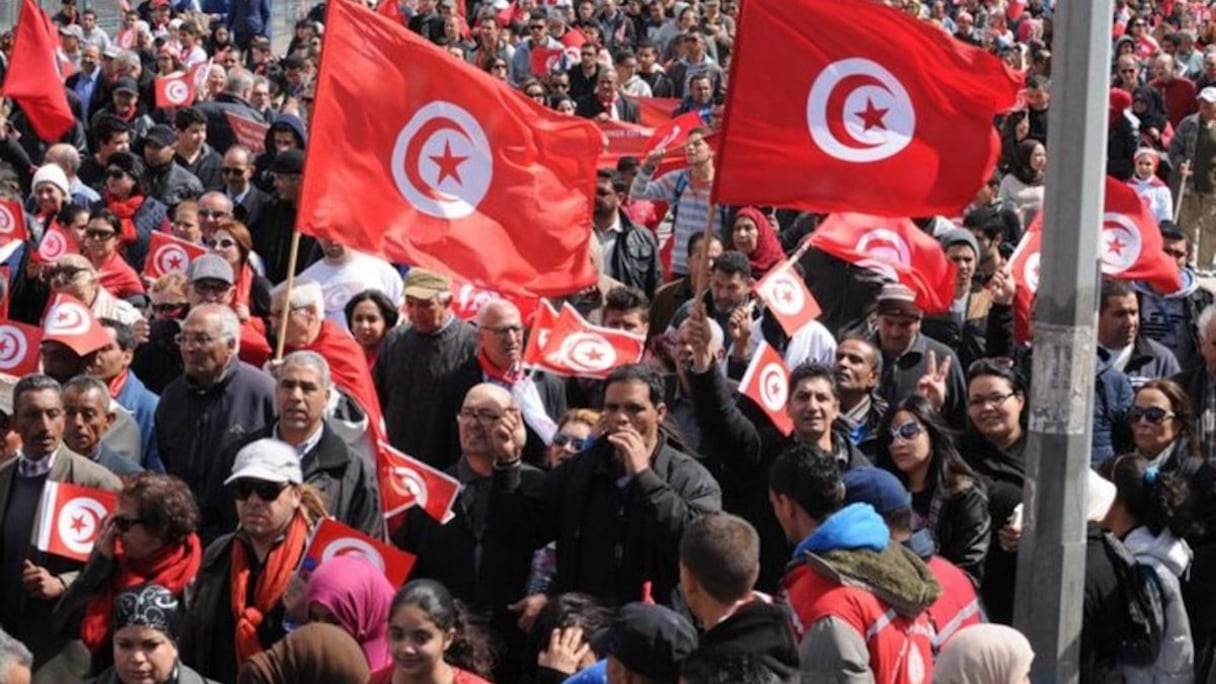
x=359, y=596
x=768, y=252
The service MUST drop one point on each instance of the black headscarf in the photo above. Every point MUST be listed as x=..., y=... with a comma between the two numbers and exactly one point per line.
x=148, y=605
x=1154, y=115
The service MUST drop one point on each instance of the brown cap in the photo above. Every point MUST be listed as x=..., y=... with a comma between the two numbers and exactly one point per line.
x=897, y=300
x=423, y=284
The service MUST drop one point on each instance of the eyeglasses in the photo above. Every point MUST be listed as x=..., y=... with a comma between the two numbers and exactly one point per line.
x=990, y=400
x=99, y=235
x=196, y=340
x=562, y=440
x=124, y=524
x=908, y=431
x=169, y=307
x=210, y=213
x=229, y=171
x=266, y=491
x=483, y=417
x=504, y=330
x=222, y=243
x=1155, y=415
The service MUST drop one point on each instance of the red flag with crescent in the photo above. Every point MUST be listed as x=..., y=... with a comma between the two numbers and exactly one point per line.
x=55, y=243
x=71, y=517
x=767, y=382
x=174, y=90
x=168, y=254
x=406, y=482
x=19, y=348
x=576, y=348
x=895, y=248
x=468, y=298
x=1025, y=266
x=852, y=120
x=674, y=133
x=332, y=539
x=12, y=222
x=427, y=160
x=538, y=333
x=786, y=296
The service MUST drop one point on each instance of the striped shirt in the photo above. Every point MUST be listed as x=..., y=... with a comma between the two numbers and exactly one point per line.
x=690, y=210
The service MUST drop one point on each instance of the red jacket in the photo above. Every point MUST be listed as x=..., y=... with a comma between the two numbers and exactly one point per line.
x=957, y=607
x=899, y=646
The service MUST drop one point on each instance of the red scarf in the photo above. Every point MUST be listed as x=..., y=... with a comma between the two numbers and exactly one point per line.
x=118, y=382
x=243, y=287
x=173, y=566
x=505, y=378
x=280, y=564
x=125, y=211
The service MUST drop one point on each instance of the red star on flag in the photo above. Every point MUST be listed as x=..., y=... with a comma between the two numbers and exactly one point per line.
x=448, y=163
x=871, y=116
x=78, y=523
x=1115, y=246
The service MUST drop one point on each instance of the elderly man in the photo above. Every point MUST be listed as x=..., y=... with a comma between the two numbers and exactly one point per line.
x=235, y=101
x=1193, y=158
x=67, y=157
x=31, y=580
x=482, y=569
x=617, y=510
x=75, y=275
x=414, y=357
x=248, y=201
x=1200, y=384
x=112, y=365
x=303, y=389
x=344, y=273
x=500, y=346
x=88, y=82
x=357, y=408
x=267, y=484
x=218, y=400
x=213, y=208
x=89, y=414
x=1178, y=92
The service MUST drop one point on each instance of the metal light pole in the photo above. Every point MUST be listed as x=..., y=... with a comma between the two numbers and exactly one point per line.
x=1051, y=557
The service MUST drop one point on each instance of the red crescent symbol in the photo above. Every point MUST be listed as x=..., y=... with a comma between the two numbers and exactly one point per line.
x=834, y=111
x=414, y=149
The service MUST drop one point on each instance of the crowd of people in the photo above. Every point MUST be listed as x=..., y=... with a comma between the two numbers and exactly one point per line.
x=654, y=526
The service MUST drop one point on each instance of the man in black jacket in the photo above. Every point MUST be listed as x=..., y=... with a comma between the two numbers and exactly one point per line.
x=719, y=564
x=167, y=181
x=631, y=252
x=303, y=387
x=606, y=102
x=616, y=510
x=233, y=100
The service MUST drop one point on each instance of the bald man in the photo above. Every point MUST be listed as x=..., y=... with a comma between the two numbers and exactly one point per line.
x=485, y=572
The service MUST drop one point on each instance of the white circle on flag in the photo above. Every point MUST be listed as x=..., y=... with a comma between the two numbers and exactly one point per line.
x=170, y=257
x=774, y=387
x=1121, y=243
x=349, y=546
x=408, y=483
x=13, y=347
x=8, y=222
x=1030, y=272
x=858, y=111
x=67, y=318
x=177, y=92
x=587, y=352
x=53, y=246
x=79, y=523
x=442, y=163
x=785, y=294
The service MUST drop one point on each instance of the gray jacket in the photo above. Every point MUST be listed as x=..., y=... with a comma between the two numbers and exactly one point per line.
x=1170, y=557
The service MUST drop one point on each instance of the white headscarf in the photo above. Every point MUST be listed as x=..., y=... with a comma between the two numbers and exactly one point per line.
x=984, y=654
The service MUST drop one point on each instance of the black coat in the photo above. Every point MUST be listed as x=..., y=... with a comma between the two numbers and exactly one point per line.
x=635, y=259
x=1103, y=610
x=739, y=449
x=451, y=389
x=589, y=107
x=611, y=541
x=762, y=630
x=346, y=479
x=272, y=241
x=251, y=207
x=964, y=529
x=219, y=131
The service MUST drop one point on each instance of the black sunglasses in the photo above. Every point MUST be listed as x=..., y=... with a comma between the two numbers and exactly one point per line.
x=229, y=171
x=266, y=491
x=562, y=439
x=124, y=524
x=166, y=308
x=1155, y=415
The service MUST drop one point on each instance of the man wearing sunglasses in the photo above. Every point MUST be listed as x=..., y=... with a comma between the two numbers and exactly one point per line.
x=248, y=202
x=258, y=559
x=31, y=581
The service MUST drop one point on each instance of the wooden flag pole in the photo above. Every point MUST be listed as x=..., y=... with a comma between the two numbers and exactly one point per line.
x=281, y=343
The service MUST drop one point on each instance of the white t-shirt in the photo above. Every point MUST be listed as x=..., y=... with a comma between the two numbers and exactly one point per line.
x=343, y=281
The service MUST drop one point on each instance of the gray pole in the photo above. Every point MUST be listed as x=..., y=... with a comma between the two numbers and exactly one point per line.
x=1051, y=557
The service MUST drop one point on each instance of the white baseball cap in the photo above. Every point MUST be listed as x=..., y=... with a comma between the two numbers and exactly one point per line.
x=1208, y=95
x=268, y=460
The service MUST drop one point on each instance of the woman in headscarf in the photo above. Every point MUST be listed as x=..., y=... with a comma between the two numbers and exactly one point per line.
x=149, y=538
x=146, y=621
x=1155, y=128
x=313, y=653
x=1023, y=185
x=1149, y=186
x=985, y=654
x=754, y=236
x=353, y=594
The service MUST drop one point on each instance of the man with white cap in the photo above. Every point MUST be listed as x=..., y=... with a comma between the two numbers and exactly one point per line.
x=256, y=561
x=1193, y=158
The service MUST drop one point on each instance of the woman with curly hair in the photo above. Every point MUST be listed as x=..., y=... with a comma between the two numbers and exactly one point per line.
x=431, y=640
x=149, y=538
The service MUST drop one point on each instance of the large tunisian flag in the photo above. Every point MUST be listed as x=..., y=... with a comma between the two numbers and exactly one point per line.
x=33, y=79
x=426, y=160
x=850, y=117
